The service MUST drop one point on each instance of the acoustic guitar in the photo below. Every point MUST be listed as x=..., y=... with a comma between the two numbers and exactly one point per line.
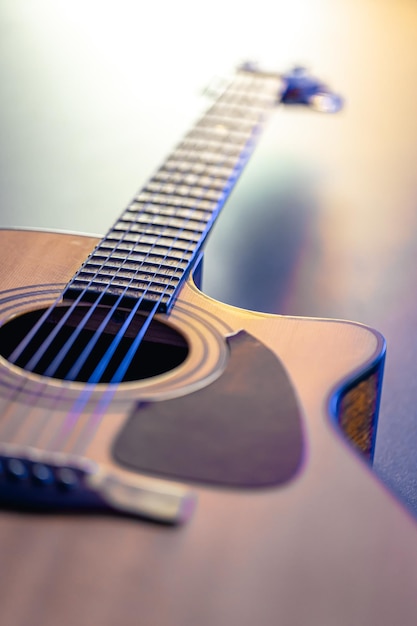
x=232, y=447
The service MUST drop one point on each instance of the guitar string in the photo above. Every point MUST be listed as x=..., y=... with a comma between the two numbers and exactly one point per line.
x=101, y=367
x=76, y=367
x=13, y=357
x=21, y=347
x=103, y=403
x=65, y=430
x=84, y=355
x=79, y=363
x=93, y=422
x=42, y=349
x=147, y=255
x=118, y=375
x=5, y=428
x=22, y=386
x=100, y=410
x=75, y=412
x=51, y=336
x=46, y=343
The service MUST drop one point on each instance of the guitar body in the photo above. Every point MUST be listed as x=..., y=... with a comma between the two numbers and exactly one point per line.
x=320, y=544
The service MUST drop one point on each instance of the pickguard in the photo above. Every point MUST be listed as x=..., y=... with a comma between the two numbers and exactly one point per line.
x=242, y=430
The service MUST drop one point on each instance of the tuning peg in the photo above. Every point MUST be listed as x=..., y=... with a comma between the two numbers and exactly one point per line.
x=303, y=88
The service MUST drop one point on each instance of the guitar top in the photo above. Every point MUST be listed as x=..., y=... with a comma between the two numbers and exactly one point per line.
x=214, y=460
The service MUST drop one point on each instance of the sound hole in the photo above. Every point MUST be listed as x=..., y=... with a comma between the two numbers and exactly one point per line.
x=161, y=350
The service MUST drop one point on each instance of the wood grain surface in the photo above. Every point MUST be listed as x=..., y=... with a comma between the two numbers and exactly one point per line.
x=329, y=547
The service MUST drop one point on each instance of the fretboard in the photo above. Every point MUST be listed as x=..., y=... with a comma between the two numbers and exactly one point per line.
x=150, y=250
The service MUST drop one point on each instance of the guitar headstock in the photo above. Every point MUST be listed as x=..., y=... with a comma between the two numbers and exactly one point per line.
x=300, y=88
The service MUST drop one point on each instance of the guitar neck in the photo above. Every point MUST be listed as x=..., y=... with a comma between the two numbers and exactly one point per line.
x=149, y=251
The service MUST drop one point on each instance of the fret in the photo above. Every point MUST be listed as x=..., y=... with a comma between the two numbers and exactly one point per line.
x=218, y=133
x=212, y=145
x=132, y=279
x=199, y=168
x=214, y=182
x=164, y=211
x=151, y=248
x=146, y=224
x=128, y=247
x=189, y=158
x=235, y=110
x=250, y=101
x=184, y=191
x=136, y=259
x=137, y=233
x=176, y=201
x=126, y=268
x=211, y=120
x=150, y=218
x=179, y=241
x=130, y=270
x=109, y=293
x=120, y=283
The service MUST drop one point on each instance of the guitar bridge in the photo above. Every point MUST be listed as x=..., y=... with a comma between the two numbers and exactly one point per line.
x=34, y=480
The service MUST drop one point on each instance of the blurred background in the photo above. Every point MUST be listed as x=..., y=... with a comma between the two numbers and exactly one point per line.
x=94, y=95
